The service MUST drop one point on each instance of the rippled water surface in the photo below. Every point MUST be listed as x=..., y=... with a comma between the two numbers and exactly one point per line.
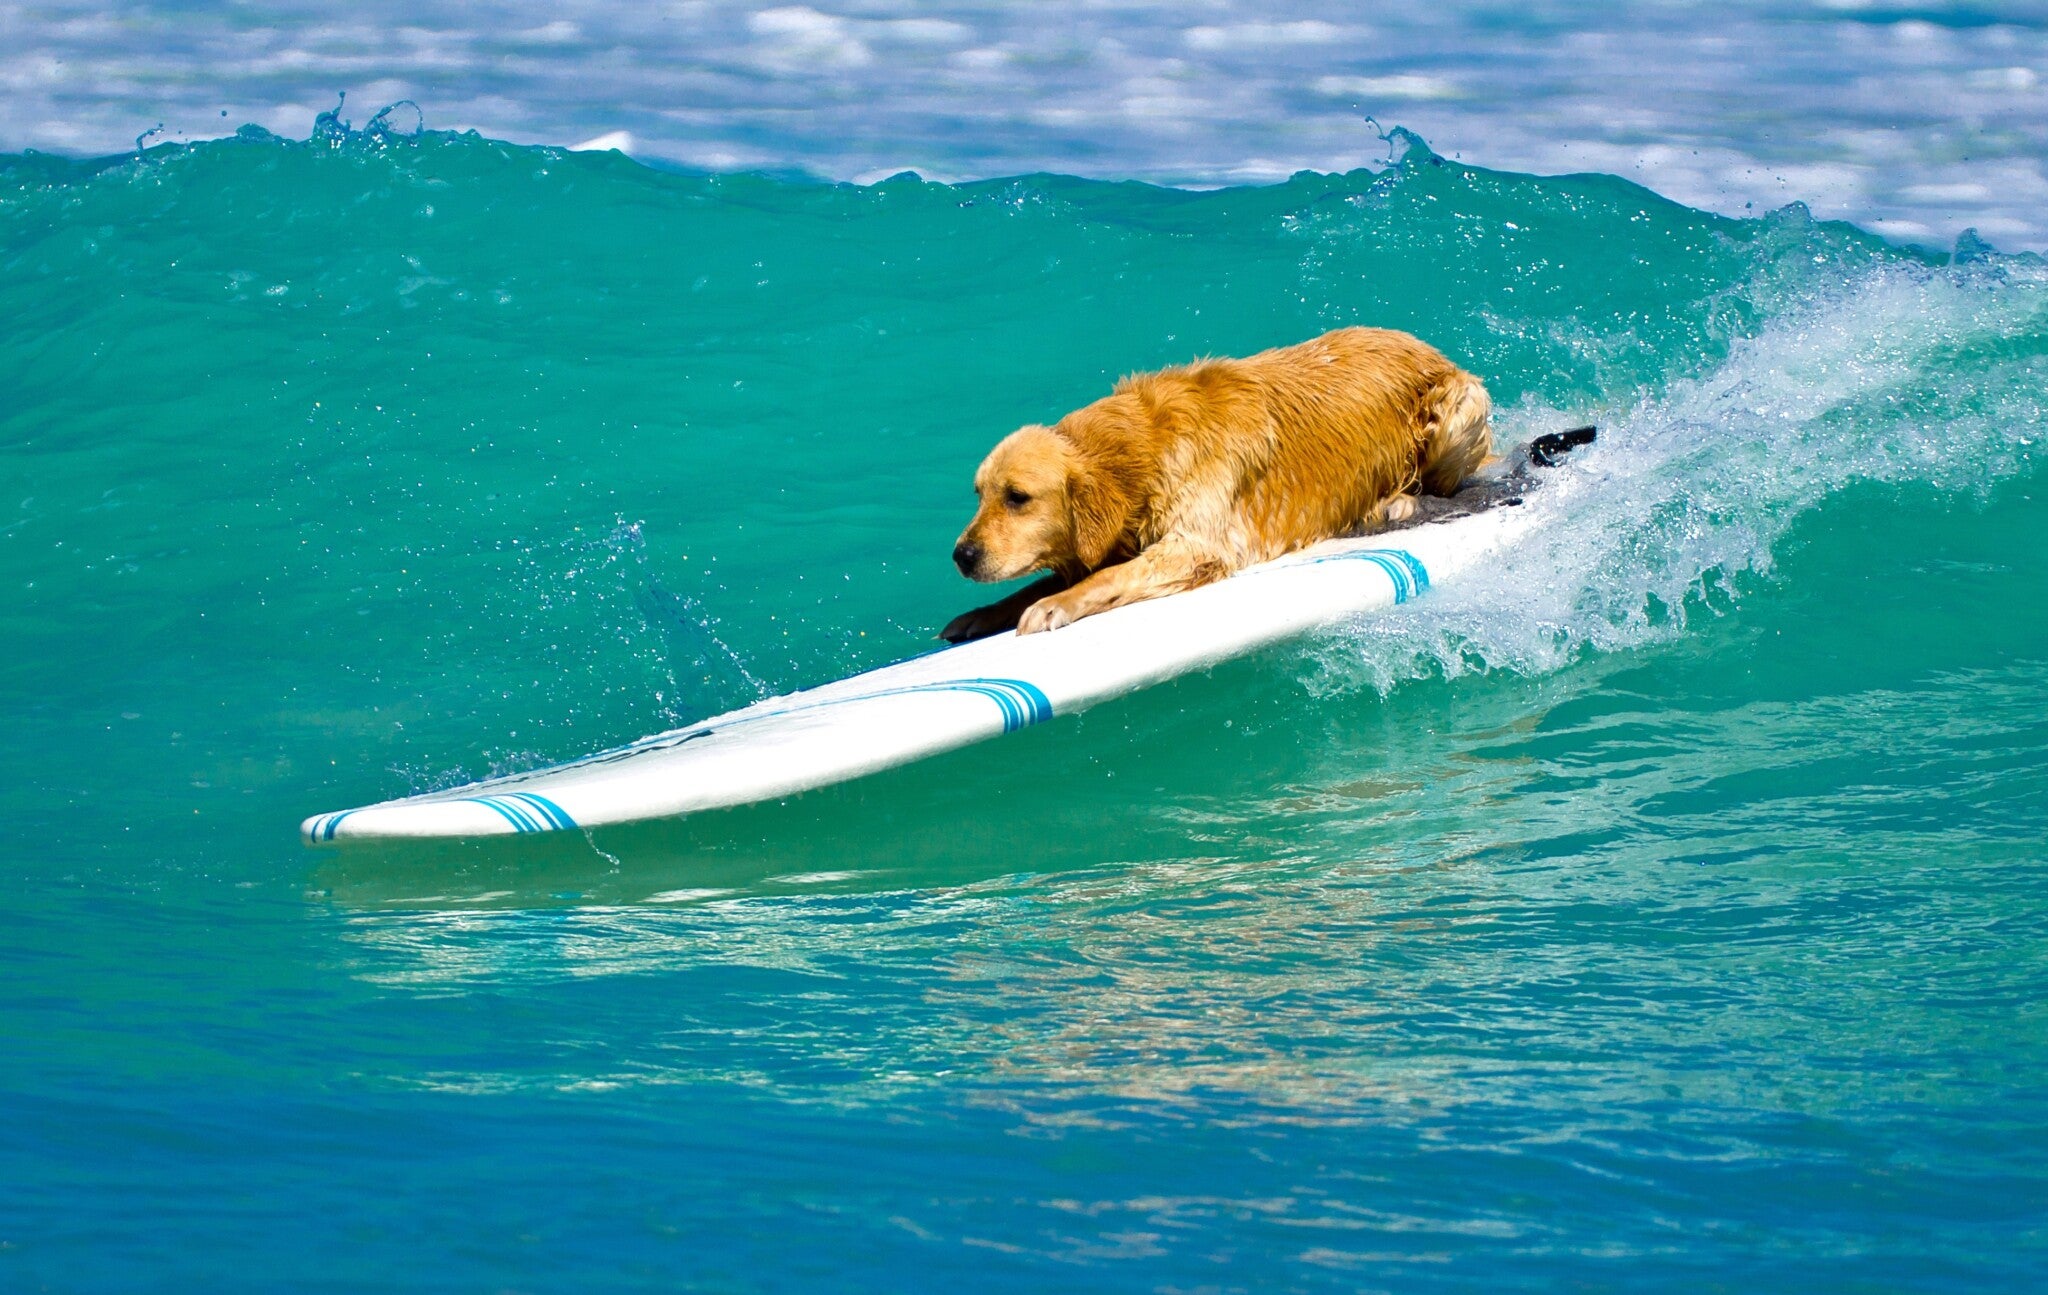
x=1665, y=907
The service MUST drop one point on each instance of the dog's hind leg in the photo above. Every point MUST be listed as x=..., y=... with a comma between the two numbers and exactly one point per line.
x=1457, y=438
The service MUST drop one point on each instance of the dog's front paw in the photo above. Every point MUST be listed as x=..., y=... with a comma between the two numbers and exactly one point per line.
x=977, y=624
x=1045, y=614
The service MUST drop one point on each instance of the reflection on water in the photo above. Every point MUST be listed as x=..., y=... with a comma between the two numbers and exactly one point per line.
x=1584, y=903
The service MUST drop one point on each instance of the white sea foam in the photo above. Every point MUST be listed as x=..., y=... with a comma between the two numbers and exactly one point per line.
x=1903, y=374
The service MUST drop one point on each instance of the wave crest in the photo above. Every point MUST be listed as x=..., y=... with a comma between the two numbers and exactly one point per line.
x=1900, y=374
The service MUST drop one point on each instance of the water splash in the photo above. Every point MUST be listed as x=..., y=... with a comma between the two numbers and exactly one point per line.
x=1901, y=374
x=378, y=128
x=329, y=128
x=335, y=131
x=1403, y=144
x=705, y=674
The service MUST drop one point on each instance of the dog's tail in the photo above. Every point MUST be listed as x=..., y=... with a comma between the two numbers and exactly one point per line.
x=1456, y=438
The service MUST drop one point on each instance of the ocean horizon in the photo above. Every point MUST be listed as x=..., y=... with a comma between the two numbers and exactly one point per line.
x=1914, y=120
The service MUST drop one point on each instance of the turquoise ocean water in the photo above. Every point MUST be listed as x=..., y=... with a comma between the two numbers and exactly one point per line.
x=1667, y=907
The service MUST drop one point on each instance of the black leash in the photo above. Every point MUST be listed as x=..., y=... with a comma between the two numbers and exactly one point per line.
x=1549, y=449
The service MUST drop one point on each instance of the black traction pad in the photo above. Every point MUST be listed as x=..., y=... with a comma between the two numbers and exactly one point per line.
x=1500, y=484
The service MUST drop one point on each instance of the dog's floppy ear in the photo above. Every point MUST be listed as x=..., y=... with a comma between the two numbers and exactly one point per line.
x=1101, y=509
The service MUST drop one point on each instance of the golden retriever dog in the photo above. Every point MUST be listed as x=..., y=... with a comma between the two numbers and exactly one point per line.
x=1181, y=477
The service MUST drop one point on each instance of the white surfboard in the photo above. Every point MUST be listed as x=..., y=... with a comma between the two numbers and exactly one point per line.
x=945, y=699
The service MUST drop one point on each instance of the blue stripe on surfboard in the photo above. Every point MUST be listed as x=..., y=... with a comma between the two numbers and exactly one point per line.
x=532, y=822
x=525, y=815
x=557, y=816
x=1013, y=714
x=520, y=822
x=1403, y=566
x=1037, y=705
x=1416, y=571
x=1022, y=704
x=1403, y=569
x=1397, y=575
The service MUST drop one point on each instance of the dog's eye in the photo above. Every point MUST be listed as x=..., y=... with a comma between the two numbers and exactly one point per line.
x=1016, y=498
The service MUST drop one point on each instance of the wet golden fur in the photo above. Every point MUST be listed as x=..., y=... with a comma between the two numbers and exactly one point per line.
x=1181, y=477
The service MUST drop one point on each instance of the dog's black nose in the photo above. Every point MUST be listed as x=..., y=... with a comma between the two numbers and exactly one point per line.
x=967, y=557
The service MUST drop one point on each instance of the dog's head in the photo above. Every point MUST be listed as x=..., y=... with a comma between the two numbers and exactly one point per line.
x=1045, y=506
